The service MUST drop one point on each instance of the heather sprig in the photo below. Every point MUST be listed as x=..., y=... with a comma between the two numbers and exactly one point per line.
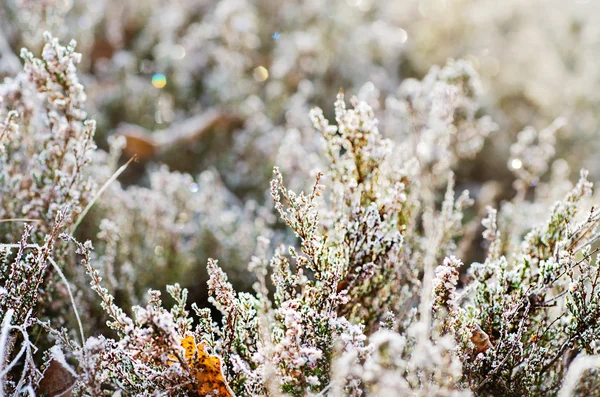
x=363, y=286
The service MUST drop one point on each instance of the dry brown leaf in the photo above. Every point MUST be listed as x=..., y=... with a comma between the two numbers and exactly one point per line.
x=480, y=339
x=206, y=369
x=56, y=381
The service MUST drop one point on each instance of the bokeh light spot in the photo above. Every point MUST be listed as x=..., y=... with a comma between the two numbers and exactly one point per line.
x=260, y=73
x=159, y=80
x=178, y=52
x=402, y=35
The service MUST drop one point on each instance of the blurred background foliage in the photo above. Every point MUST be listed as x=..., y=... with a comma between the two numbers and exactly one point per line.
x=212, y=94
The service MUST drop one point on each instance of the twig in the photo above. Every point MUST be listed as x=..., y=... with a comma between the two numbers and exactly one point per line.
x=509, y=354
x=64, y=280
x=19, y=220
x=558, y=355
x=574, y=266
x=554, y=298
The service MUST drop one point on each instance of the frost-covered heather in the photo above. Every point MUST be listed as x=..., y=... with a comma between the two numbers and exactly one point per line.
x=271, y=62
x=365, y=268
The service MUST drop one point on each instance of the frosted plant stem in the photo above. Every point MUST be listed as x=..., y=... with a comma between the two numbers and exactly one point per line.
x=64, y=280
x=3, y=340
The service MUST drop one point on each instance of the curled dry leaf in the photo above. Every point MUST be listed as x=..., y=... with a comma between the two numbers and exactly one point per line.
x=147, y=144
x=480, y=339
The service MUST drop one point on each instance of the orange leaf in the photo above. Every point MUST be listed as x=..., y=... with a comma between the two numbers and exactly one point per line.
x=206, y=369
